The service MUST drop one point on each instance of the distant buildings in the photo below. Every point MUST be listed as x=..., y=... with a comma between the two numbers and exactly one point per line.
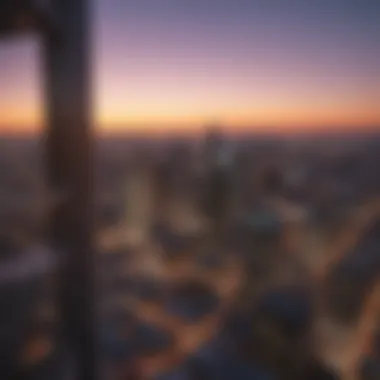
x=218, y=151
x=352, y=279
x=217, y=182
x=139, y=202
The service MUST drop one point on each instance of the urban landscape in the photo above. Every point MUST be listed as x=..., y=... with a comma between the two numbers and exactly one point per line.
x=217, y=258
x=189, y=190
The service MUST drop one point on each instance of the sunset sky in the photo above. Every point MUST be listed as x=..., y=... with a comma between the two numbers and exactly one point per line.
x=280, y=64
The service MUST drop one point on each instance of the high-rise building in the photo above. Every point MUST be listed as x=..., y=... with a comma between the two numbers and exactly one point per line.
x=139, y=202
x=217, y=151
x=216, y=192
x=162, y=187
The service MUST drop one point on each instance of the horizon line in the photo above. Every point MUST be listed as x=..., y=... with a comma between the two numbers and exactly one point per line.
x=22, y=132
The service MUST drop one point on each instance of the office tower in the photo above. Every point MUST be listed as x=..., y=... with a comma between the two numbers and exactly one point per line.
x=161, y=188
x=139, y=201
x=216, y=177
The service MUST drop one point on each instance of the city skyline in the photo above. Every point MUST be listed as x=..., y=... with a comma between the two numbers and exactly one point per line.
x=260, y=65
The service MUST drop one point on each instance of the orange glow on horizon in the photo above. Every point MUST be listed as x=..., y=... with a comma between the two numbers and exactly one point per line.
x=276, y=119
x=282, y=112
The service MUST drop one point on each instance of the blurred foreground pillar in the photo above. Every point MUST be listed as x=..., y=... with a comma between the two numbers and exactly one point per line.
x=69, y=158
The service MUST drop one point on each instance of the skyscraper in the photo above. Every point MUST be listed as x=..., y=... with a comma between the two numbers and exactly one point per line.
x=139, y=200
x=216, y=176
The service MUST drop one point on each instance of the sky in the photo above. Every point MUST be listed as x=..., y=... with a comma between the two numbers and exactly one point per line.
x=257, y=64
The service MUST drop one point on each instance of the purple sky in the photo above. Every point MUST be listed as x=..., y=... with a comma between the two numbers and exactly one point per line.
x=280, y=63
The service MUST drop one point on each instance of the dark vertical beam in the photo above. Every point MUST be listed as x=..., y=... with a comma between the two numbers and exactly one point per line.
x=69, y=157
